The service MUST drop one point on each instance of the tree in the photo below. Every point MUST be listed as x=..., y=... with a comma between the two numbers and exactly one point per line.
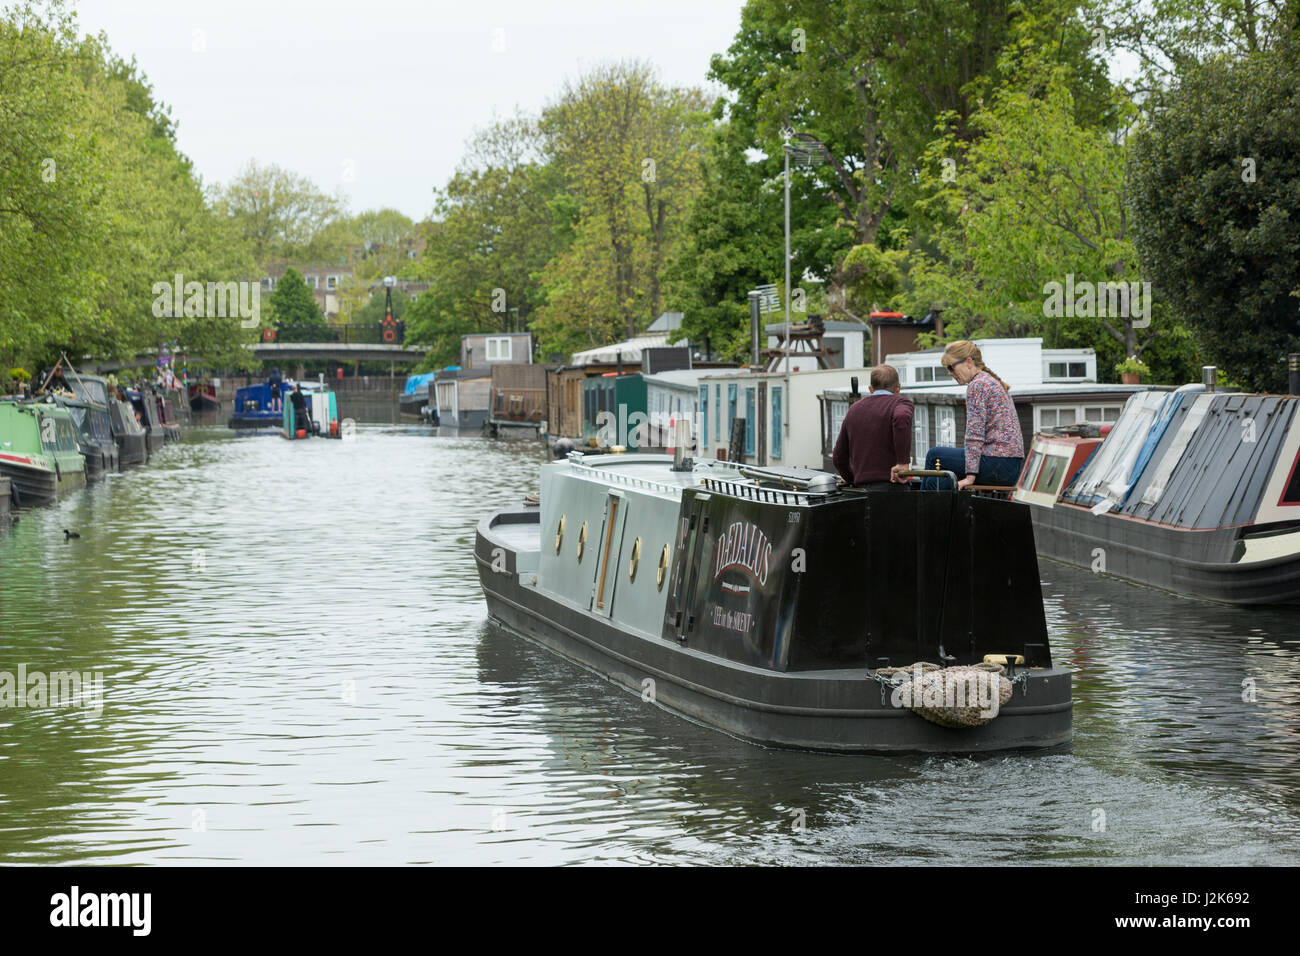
x=500, y=219
x=1216, y=208
x=862, y=82
x=292, y=303
x=279, y=213
x=630, y=150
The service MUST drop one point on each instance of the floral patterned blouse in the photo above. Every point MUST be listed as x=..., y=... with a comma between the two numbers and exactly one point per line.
x=991, y=425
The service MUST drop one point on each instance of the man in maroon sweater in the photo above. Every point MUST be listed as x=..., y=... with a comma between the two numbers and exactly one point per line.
x=876, y=434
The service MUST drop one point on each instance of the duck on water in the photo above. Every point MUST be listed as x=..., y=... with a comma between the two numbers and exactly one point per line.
x=778, y=607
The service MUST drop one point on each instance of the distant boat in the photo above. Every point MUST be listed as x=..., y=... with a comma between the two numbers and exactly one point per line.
x=1192, y=492
x=415, y=395
x=203, y=397
x=38, y=451
x=253, y=408
x=322, y=407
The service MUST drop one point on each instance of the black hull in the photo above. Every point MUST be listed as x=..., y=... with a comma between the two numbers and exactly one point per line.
x=131, y=450
x=1187, y=563
x=155, y=441
x=204, y=403
x=840, y=711
x=31, y=487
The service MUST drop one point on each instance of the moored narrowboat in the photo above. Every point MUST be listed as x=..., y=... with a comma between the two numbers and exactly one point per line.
x=145, y=411
x=778, y=607
x=203, y=397
x=38, y=451
x=94, y=436
x=1193, y=492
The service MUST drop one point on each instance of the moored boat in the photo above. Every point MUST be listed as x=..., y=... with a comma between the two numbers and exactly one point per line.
x=38, y=451
x=132, y=441
x=777, y=607
x=145, y=410
x=203, y=397
x=1191, y=491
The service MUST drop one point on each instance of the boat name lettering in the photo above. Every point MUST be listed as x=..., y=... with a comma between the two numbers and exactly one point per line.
x=743, y=545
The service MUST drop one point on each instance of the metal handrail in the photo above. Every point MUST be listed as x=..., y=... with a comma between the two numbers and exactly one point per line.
x=931, y=473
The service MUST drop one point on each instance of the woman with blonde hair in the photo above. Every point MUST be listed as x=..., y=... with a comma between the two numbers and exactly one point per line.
x=994, y=451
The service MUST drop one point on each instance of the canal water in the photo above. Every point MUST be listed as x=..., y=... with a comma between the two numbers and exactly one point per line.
x=297, y=669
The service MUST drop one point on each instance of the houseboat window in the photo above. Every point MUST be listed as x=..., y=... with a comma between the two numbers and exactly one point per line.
x=921, y=435
x=717, y=412
x=704, y=415
x=929, y=373
x=1050, y=474
x=945, y=425
x=731, y=406
x=498, y=349
x=776, y=420
x=749, y=421
x=1031, y=470
x=1291, y=494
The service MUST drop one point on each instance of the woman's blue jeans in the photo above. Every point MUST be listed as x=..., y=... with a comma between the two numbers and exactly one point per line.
x=993, y=471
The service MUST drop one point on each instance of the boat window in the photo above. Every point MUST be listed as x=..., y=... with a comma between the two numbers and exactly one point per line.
x=1031, y=470
x=1291, y=496
x=1050, y=474
x=777, y=421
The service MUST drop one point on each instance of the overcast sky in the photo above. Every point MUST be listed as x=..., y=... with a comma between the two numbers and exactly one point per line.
x=378, y=97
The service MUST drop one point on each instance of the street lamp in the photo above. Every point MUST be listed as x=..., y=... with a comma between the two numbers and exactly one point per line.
x=806, y=150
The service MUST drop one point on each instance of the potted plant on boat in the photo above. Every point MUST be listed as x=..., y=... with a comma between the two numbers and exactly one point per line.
x=17, y=376
x=1131, y=370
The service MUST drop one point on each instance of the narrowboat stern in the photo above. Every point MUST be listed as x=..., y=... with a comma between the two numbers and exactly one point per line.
x=777, y=607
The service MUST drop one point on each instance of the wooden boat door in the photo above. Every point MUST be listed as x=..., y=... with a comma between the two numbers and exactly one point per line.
x=607, y=558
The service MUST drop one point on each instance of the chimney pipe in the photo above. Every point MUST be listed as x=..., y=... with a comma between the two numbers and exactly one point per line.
x=854, y=395
x=1293, y=373
x=755, y=321
x=1209, y=376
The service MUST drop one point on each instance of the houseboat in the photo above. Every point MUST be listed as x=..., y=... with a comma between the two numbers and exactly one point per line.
x=132, y=441
x=38, y=451
x=464, y=395
x=517, y=399
x=203, y=397
x=778, y=607
x=254, y=409
x=87, y=400
x=145, y=411
x=415, y=395
x=1191, y=491
x=939, y=411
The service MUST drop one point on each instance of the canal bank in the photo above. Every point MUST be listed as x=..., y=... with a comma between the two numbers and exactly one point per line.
x=297, y=669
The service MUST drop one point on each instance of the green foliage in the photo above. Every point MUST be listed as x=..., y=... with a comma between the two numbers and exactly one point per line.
x=281, y=214
x=1132, y=366
x=20, y=375
x=1216, y=207
x=292, y=302
x=373, y=313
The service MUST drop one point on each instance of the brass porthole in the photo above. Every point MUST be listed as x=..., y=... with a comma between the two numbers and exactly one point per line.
x=559, y=534
x=582, y=540
x=635, y=561
x=663, y=569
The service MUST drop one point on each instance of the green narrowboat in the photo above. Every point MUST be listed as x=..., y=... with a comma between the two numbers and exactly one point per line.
x=38, y=451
